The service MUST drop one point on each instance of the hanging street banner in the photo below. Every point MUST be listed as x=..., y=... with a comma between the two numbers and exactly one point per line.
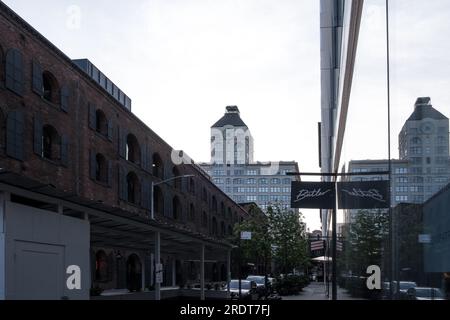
x=313, y=195
x=363, y=195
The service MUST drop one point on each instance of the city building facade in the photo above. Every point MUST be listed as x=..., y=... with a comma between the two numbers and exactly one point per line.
x=85, y=183
x=234, y=171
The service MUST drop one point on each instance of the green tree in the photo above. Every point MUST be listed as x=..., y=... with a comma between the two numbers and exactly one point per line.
x=366, y=239
x=257, y=250
x=288, y=236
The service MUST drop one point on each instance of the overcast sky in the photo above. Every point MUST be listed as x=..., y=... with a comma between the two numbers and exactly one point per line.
x=183, y=61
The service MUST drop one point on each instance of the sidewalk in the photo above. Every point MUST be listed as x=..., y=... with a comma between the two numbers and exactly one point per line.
x=318, y=291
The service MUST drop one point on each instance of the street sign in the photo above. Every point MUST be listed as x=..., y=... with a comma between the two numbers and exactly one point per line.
x=363, y=195
x=246, y=235
x=312, y=195
x=159, y=273
x=424, y=238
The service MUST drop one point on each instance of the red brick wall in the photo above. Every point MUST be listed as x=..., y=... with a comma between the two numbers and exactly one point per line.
x=75, y=179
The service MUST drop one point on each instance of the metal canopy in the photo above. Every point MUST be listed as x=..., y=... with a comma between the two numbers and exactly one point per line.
x=112, y=225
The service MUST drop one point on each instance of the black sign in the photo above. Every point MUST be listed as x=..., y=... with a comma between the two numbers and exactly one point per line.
x=313, y=195
x=363, y=195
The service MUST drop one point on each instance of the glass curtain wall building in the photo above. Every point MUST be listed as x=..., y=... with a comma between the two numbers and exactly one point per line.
x=385, y=106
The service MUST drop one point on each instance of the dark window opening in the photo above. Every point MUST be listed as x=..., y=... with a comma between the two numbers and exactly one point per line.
x=51, y=143
x=204, y=220
x=133, y=188
x=159, y=201
x=101, y=169
x=158, y=168
x=191, y=212
x=101, y=123
x=101, y=266
x=214, y=227
x=191, y=185
x=214, y=204
x=50, y=87
x=133, y=152
x=176, y=182
x=176, y=206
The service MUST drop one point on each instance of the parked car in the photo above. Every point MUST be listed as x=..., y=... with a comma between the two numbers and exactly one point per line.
x=261, y=284
x=403, y=286
x=249, y=290
x=425, y=293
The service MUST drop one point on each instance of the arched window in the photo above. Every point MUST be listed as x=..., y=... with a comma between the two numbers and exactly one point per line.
x=222, y=209
x=230, y=230
x=159, y=201
x=50, y=87
x=204, y=220
x=101, y=168
x=133, y=188
x=229, y=215
x=214, y=204
x=191, y=212
x=134, y=273
x=176, y=182
x=101, y=266
x=222, y=228
x=176, y=207
x=101, y=123
x=51, y=143
x=133, y=152
x=158, y=167
x=214, y=226
x=235, y=217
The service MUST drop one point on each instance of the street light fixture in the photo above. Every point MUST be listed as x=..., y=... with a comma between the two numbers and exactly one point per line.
x=152, y=211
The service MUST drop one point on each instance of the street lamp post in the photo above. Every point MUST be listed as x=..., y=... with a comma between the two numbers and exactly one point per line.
x=157, y=235
x=152, y=196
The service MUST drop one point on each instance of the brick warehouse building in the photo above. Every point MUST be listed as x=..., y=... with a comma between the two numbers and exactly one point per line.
x=76, y=174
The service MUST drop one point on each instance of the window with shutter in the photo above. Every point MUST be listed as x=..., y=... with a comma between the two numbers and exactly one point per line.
x=92, y=116
x=144, y=157
x=168, y=206
x=65, y=150
x=145, y=194
x=50, y=87
x=15, y=134
x=110, y=130
x=65, y=98
x=38, y=135
x=14, y=71
x=122, y=142
x=123, y=192
x=53, y=146
x=110, y=173
x=92, y=164
x=37, y=79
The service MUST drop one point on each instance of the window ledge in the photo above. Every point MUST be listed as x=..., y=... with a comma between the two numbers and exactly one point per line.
x=101, y=183
x=101, y=135
x=53, y=162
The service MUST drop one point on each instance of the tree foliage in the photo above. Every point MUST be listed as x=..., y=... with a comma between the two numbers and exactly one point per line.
x=365, y=240
x=278, y=235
